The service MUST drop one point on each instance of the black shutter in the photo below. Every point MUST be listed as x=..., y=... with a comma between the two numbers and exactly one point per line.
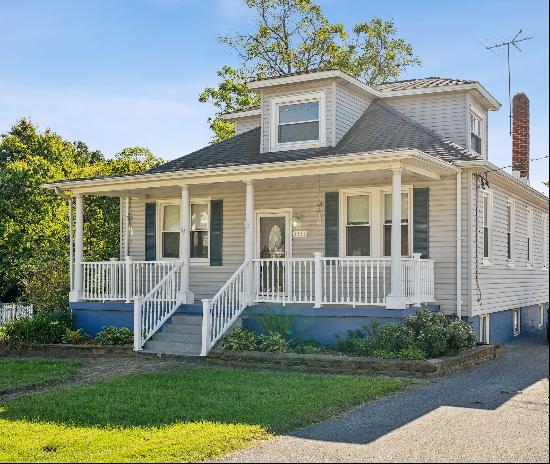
x=216, y=232
x=150, y=231
x=331, y=224
x=421, y=221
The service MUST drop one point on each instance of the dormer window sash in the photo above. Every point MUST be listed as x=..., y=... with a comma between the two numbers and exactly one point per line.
x=298, y=121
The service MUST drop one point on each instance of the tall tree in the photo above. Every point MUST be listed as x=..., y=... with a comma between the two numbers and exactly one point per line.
x=294, y=36
x=34, y=228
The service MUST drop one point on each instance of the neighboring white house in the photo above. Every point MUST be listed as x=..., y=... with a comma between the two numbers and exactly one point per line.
x=296, y=211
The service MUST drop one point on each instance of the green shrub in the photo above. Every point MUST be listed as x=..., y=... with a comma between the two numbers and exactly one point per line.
x=241, y=340
x=273, y=343
x=43, y=327
x=424, y=335
x=308, y=347
x=115, y=336
x=282, y=324
x=76, y=337
x=438, y=335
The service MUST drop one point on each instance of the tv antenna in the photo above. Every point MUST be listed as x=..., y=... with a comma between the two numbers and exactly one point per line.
x=514, y=43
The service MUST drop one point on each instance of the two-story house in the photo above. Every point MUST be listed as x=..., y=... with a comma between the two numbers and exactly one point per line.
x=337, y=202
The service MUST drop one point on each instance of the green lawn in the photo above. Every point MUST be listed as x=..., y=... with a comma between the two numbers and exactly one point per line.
x=16, y=374
x=176, y=416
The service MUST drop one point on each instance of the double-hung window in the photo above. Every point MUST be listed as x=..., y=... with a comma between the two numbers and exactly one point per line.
x=511, y=218
x=358, y=225
x=170, y=231
x=405, y=246
x=529, y=237
x=475, y=133
x=298, y=121
x=200, y=225
x=487, y=226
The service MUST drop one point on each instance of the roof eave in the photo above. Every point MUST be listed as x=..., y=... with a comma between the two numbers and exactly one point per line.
x=378, y=155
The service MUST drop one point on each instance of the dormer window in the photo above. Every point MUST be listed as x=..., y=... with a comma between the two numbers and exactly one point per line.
x=475, y=135
x=298, y=122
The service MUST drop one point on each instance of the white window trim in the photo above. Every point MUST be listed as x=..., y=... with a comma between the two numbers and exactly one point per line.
x=544, y=241
x=376, y=196
x=518, y=312
x=201, y=201
x=484, y=335
x=276, y=102
x=487, y=260
x=344, y=195
x=482, y=127
x=512, y=230
x=160, y=216
x=530, y=227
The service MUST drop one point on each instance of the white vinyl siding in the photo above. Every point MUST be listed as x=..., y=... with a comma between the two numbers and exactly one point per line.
x=501, y=286
x=350, y=105
x=293, y=90
x=247, y=123
x=445, y=113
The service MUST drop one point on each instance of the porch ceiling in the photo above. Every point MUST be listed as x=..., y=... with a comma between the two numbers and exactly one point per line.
x=365, y=166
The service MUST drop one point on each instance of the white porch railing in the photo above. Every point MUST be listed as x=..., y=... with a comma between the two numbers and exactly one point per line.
x=12, y=311
x=154, y=309
x=122, y=280
x=221, y=312
x=356, y=281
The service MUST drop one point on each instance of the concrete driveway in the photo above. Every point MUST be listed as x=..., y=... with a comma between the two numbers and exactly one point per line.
x=495, y=412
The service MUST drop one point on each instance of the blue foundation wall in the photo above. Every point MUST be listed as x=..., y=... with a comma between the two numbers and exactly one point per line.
x=91, y=317
x=501, y=324
x=325, y=324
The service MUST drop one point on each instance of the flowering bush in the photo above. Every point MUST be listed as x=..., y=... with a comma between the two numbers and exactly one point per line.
x=273, y=342
x=241, y=340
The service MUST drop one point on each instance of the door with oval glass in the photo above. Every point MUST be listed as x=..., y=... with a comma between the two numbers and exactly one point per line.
x=273, y=244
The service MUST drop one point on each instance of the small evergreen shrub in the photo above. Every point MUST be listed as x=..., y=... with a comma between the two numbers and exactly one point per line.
x=273, y=343
x=115, y=336
x=241, y=340
x=280, y=323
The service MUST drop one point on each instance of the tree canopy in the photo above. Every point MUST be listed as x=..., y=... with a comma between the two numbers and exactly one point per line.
x=294, y=36
x=34, y=229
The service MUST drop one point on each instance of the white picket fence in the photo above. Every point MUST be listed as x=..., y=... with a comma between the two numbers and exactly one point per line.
x=12, y=311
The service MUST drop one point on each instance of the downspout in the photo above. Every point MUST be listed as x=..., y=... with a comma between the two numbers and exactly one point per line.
x=71, y=238
x=459, y=244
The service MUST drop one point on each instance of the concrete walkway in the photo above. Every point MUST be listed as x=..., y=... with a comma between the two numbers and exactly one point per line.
x=497, y=411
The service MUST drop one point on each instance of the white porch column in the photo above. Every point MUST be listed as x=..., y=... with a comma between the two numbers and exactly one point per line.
x=76, y=291
x=249, y=240
x=186, y=296
x=395, y=299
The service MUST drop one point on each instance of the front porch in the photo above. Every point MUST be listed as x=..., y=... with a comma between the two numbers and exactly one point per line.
x=183, y=241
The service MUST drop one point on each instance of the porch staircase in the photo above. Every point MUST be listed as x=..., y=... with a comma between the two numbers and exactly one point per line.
x=180, y=335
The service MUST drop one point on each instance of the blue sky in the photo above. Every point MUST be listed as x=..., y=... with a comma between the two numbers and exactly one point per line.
x=128, y=72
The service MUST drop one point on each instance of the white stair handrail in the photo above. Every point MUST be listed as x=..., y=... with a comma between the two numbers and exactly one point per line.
x=154, y=309
x=221, y=312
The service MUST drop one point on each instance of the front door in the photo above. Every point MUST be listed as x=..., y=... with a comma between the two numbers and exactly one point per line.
x=272, y=245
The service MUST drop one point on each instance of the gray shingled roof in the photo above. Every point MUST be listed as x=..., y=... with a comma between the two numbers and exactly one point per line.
x=379, y=128
x=424, y=83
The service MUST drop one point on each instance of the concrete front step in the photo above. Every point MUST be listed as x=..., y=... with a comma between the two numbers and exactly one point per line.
x=185, y=349
x=180, y=335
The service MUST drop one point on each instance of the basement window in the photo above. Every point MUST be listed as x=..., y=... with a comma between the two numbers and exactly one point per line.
x=484, y=329
x=475, y=133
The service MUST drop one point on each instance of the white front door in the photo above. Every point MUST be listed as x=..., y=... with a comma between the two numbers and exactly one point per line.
x=273, y=243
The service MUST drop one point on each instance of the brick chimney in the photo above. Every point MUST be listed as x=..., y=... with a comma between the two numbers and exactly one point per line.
x=520, y=135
